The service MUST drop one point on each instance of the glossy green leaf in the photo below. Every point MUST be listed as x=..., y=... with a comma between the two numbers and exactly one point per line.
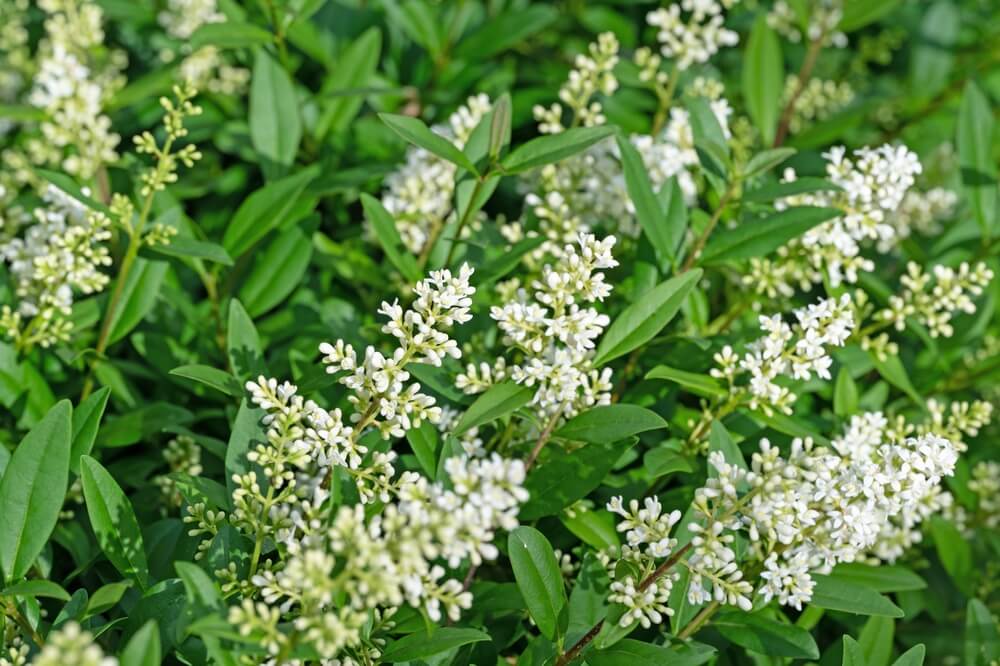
x=277, y=270
x=763, y=78
x=698, y=384
x=630, y=652
x=975, y=155
x=881, y=578
x=33, y=489
x=220, y=380
x=416, y=132
x=757, y=238
x=142, y=289
x=36, y=588
x=845, y=395
x=230, y=35
x=607, y=423
x=86, y=423
x=353, y=70
x=643, y=320
x=760, y=634
x=853, y=655
x=180, y=246
x=423, y=644
x=836, y=593
x=538, y=577
x=266, y=209
x=143, y=649
x=275, y=123
x=243, y=347
x=497, y=401
x=113, y=520
x=504, y=30
x=553, y=148
x=388, y=236
x=912, y=657
x=647, y=206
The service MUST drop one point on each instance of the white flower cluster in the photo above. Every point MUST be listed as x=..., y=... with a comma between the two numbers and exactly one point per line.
x=205, y=68
x=934, y=298
x=67, y=646
x=873, y=186
x=379, y=398
x=794, y=351
x=647, y=535
x=419, y=194
x=985, y=484
x=71, y=87
x=591, y=74
x=823, y=21
x=554, y=335
x=818, y=100
x=861, y=440
x=696, y=39
x=805, y=513
x=336, y=566
x=61, y=252
x=921, y=212
x=341, y=568
x=15, y=55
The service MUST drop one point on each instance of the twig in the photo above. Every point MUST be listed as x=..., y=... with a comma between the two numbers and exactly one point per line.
x=699, y=244
x=805, y=72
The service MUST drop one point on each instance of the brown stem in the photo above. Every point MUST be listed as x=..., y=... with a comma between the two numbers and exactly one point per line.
x=805, y=72
x=699, y=244
x=701, y=618
x=542, y=439
x=587, y=638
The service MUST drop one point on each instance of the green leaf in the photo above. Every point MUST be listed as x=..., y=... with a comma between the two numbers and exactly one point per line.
x=647, y=206
x=763, y=78
x=835, y=593
x=975, y=156
x=179, y=246
x=853, y=656
x=199, y=586
x=416, y=132
x=720, y=440
x=640, y=322
x=766, y=160
x=388, y=237
x=954, y=552
x=422, y=644
x=892, y=371
x=36, y=588
x=420, y=23
x=596, y=528
x=760, y=634
x=500, y=126
x=630, y=652
x=266, y=209
x=805, y=185
x=564, y=477
x=246, y=433
x=69, y=186
x=756, y=238
x=114, y=522
x=881, y=578
x=698, y=384
x=933, y=55
x=33, y=489
x=220, y=380
x=425, y=444
x=553, y=148
x=275, y=124
x=912, y=657
x=106, y=597
x=859, y=13
x=243, y=347
x=504, y=30
x=497, y=401
x=982, y=641
x=353, y=70
x=143, y=649
x=875, y=640
x=538, y=577
x=610, y=423
x=86, y=422
x=845, y=395
x=137, y=424
x=671, y=199
x=230, y=35
x=142, y=288
x=277, y=270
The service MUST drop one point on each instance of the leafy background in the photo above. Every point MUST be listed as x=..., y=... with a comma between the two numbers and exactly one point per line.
x=272, y=258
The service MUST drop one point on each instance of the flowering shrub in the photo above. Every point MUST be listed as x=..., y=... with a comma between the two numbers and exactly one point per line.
x=411, y=331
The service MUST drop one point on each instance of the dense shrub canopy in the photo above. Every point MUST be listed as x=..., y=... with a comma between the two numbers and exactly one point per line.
x=496, y=331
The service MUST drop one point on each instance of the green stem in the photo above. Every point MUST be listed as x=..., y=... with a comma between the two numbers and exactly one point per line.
x=699, y=620
x=699, y=244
